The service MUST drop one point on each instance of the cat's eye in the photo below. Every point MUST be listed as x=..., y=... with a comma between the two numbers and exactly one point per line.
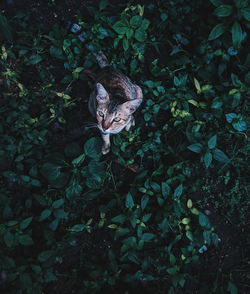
x=101, y=113
x=116, y=119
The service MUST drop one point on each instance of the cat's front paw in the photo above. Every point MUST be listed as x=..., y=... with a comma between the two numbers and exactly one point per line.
x=105, y=149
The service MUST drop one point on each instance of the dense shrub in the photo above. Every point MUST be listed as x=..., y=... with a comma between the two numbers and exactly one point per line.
x=156, y=213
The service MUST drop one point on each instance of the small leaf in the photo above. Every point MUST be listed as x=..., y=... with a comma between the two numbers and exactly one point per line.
x=125, y=44
x=120, y=27
x=230, y=117
x=165, y=189
x=216, y=32
x=197, y=85
x=34, y=59
x=204, y=221
x=189, y=203
x=135, y=21
x=177, y=82
x=219, y=155
x=58, y=203
x=119, y=219
x=92, y=147
x=223, y=10
x=185, y=221
x=208, y=159
x=140, y=35
x=45, y=255
x=25, y=240
x=25, y=223
x=44, y=214
x=144, y=201
x=246, y=13
x=129, y=202
x=236, y=34
x=212, y=142
x=232, y=288
x=216, y=2
x=178, y=191
x=8, y=239
x=147, y=237
x=197, y=147
x=240, y=125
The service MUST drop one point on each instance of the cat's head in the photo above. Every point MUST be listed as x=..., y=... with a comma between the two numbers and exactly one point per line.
x=112, y=116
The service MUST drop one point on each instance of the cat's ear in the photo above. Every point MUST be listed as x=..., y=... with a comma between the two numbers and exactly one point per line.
x=102, y=95
x=130, y=106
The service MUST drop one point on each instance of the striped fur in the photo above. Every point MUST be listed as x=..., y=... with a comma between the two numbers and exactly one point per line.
x=113, y=101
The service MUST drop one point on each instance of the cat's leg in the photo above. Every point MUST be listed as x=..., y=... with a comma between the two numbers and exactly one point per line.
x=130, y=124
x=106, y=143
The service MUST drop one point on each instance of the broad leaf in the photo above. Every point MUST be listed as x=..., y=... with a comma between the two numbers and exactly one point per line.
x=236, y=34
x=216, y=32
x=223, y=10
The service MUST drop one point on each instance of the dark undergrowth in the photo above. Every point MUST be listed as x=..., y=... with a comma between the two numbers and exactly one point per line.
x=167, y=210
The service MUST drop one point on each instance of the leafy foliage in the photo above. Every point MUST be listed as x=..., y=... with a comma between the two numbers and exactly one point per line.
x=72, y=219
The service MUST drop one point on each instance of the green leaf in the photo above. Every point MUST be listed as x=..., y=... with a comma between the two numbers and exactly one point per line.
x=135, y=21
x=74, y=190
x=45, y=255
x=219, y=155
x=54, y=224
x=230, y=117
x=78, y=160
x=120, y=27
x=204, y=221
x=44, y=214
x=92, y=147
x=189, y=203
x=140, y=35
x=231, y=287
x=185, y=221
x=129, y=202
x=177, y=82
x=50, y=171
x=223, y=10
x=208, y=159
x=25, y=240
x=25, y=223
x=240, y=125
x=246, y=13
x=58, y=203
x=236, y=34
x=147, y=237
x=241, y=3
x=144, y=25
x=197, y=147
x=144, y=201
x=216, y=32
x=178, y=191
x=165, y=188
x=34, y=59
x=212, y=142
x=119, y=219
x=8, y=239
x=78, y=228
x=197, y=85
x=56, y=52
x=125, y=44
x=216, y=2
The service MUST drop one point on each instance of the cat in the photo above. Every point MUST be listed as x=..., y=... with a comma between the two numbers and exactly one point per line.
x=113, y=100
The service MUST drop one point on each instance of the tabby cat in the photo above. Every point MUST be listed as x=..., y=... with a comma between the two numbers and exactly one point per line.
x=113, y=101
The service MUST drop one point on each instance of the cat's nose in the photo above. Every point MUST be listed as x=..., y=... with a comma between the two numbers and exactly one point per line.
x=104, y=128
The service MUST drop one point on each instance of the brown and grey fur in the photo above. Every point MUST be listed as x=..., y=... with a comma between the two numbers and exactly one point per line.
x=113, y=101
